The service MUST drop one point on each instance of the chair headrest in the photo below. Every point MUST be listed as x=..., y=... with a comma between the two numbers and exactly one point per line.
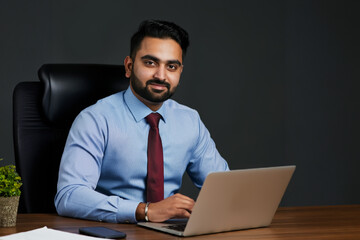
x=69, y=88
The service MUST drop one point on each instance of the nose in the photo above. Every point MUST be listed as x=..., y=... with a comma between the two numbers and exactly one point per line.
x=160, y=73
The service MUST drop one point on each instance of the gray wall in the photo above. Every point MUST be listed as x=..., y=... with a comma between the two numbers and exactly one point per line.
x=276, y=82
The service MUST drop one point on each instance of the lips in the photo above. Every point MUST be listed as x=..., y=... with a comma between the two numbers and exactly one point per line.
x=158, y=85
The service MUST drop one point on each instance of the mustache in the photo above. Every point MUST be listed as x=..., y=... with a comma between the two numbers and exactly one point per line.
x=157, y=81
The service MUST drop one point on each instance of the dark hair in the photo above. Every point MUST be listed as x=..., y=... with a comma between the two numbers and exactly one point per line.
x=159, y=29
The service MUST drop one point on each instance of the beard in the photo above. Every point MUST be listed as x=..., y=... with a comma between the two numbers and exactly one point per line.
x=149, y=94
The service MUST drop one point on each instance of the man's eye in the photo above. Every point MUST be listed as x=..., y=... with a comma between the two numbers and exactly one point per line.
x=172, y=67
x=149, y=62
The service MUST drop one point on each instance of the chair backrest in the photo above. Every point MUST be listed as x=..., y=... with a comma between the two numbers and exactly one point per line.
x=42, y=116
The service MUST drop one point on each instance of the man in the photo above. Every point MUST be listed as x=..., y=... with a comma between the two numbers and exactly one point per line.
x=109, y=170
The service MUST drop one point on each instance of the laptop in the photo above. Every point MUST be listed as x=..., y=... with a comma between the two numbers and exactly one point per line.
x=232, y=200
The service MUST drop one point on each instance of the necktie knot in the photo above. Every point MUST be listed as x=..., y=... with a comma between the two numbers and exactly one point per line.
x=153, y=119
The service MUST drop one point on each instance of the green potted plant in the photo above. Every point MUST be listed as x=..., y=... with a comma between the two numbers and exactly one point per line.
x=10, y=183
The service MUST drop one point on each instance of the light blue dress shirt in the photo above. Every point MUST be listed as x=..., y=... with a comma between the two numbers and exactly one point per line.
x=103, y=169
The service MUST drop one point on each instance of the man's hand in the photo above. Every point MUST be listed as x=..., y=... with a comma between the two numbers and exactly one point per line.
x=176, y=206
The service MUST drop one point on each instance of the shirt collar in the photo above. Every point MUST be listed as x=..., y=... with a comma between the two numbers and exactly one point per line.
x=138, y=109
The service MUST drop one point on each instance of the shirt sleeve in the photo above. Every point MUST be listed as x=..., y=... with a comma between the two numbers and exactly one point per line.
x=79, y=172
x=205, y=157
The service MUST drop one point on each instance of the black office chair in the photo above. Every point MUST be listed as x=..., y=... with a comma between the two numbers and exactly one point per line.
x=42, y=115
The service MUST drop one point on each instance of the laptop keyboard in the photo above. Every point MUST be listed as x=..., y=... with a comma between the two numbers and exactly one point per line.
x=177, y=227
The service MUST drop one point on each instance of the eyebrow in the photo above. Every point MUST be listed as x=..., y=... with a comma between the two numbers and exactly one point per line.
x=155, y=59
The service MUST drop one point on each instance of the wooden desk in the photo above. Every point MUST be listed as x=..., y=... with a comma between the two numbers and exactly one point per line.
x=326, y=222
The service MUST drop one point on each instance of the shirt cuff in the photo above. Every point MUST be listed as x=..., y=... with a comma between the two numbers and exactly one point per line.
x=127, y=212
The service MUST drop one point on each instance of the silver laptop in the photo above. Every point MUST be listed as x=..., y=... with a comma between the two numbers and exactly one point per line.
x=232, y=200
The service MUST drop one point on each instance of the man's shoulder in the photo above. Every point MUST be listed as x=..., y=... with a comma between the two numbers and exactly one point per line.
x=107, y=104
x=101, y=114
x=115, y=98
x=173, y=106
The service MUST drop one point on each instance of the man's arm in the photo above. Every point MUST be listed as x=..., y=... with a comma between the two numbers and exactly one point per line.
x=205, y=157
x=79, y=173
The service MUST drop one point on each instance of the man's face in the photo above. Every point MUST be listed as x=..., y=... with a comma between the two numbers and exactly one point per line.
x=155, y=71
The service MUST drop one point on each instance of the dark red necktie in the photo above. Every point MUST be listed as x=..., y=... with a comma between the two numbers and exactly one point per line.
x=155, y=167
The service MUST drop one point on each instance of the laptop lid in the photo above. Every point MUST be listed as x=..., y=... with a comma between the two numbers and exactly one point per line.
x=234, y=200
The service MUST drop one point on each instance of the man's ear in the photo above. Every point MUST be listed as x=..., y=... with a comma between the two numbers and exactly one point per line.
x=128, y=63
